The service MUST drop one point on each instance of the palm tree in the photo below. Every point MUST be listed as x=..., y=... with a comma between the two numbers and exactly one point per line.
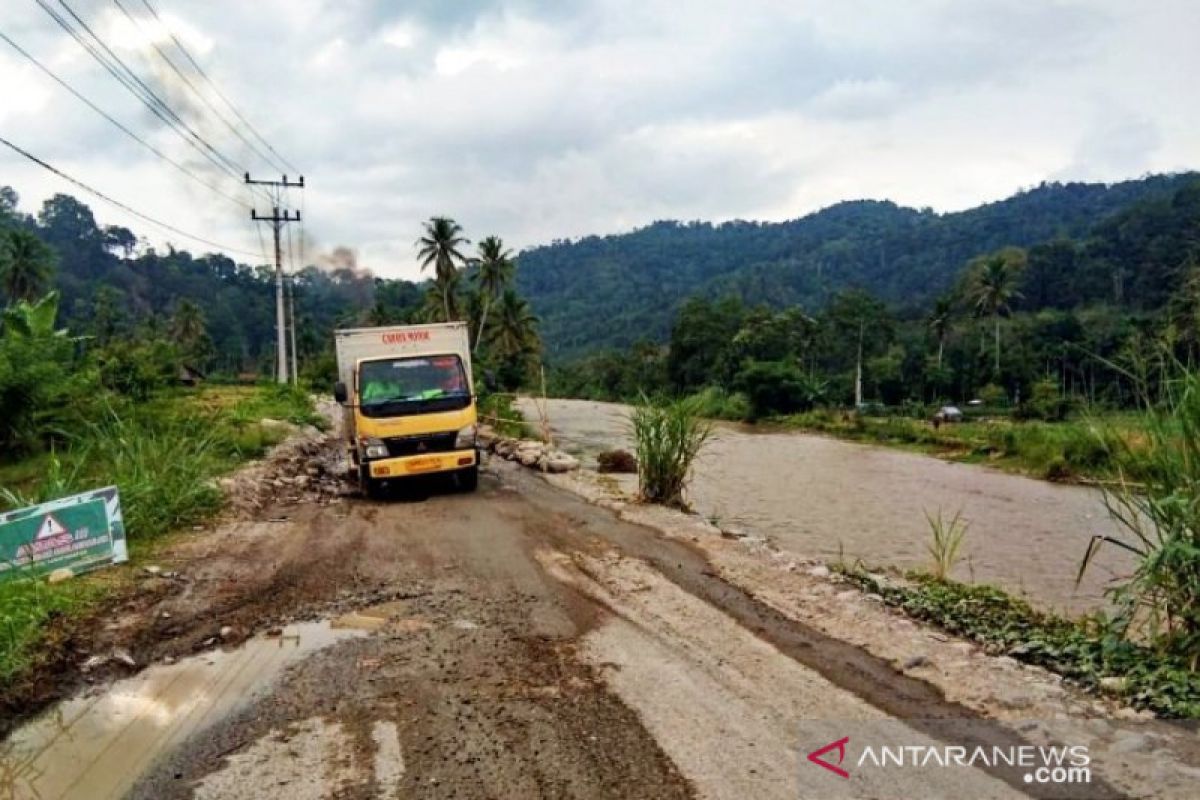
x=494, y=274
x=939, y=322
x=440, y=247
x=25, y=264
x=515, y=331
x=993, y=286
x=187, y=325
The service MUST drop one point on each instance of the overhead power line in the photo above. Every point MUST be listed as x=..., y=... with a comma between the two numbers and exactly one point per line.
x=216, y=89
x=119, y=70
x=111, y=201
x=200, y=95
x=46, y=70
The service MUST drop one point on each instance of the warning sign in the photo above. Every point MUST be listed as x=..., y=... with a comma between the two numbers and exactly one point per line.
x=80, y=533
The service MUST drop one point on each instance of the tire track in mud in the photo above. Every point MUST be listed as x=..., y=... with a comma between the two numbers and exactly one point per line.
x=916, y=703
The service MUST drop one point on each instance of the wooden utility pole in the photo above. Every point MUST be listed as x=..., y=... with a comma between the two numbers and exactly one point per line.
x=278, y=220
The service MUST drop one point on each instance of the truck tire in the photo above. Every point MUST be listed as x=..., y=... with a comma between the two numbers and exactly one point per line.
x=468, y=479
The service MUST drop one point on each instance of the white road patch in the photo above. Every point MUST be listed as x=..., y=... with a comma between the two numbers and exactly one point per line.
x=312, y=761
x=389, y=759
x=727, y=707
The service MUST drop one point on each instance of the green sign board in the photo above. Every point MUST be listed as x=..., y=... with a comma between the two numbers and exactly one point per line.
x=78, y=533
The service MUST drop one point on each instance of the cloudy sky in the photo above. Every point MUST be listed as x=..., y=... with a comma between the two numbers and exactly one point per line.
x=544, y=120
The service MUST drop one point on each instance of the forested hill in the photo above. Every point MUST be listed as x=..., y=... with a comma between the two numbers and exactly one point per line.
x=612, y=291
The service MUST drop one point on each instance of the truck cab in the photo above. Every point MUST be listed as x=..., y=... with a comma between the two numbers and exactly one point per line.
x=409, y=402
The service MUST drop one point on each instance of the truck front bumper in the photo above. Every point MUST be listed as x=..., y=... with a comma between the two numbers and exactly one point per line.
x=387, y=468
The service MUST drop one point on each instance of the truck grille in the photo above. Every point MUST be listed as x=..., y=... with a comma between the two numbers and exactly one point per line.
x=419, y=445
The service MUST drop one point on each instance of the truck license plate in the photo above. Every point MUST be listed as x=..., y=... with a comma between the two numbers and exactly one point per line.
x=422, y=464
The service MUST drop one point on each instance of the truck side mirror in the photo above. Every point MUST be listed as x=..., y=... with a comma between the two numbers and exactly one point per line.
x=339, y=392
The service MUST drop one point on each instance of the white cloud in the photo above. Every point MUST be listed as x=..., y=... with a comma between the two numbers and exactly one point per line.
x=536, y=120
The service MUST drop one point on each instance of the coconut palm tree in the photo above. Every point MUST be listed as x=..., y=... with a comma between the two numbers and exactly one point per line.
x=495, y=272
x=993, y=286
x=939, y=321
x=515, y=331
x=440, y=247
x=442, y=300
x=25, y=264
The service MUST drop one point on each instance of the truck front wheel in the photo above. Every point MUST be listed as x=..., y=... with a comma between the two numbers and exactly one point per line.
x=468, y=479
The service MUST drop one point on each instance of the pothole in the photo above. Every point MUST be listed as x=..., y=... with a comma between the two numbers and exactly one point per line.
x=96, y=745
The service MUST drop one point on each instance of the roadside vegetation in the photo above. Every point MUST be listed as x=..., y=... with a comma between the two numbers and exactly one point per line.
x=1146, y=649
x=77, y=415
x=668, y=436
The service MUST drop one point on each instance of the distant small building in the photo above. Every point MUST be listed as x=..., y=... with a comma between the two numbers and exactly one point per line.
x=248, y=377
x=189, y=375
x=951, y=414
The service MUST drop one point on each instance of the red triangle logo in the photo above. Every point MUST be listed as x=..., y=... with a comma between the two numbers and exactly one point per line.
x=840, y=746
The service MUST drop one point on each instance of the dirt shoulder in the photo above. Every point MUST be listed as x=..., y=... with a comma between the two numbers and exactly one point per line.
x=1136, y=750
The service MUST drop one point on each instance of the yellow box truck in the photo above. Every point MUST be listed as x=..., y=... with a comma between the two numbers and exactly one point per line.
x=408, y=401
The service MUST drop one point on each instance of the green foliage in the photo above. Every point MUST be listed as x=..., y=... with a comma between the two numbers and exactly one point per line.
x=26, y=264
x=1160, y=602
x=40, y=380
x=1089, y=448
x=439, y=247
x=1045, y=402
x=716, y=403
x=778, y=387
x=1082, y=651
x=163, y=456
x=497, y=409
x=138, y=368
x=604, y=292
x=669, y=436
x=945, y=542
x=27, y=607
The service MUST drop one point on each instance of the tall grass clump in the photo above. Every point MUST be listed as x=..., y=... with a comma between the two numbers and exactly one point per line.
x=669, y=435
x=161, y=464
x=1160, y=601
x=946, y=540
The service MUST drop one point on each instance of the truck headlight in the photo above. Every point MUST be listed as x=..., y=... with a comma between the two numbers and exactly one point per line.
x=375, y=448
x=465, y=438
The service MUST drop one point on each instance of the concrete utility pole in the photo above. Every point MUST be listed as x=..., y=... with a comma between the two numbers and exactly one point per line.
x=292, y=314
x=278, y=220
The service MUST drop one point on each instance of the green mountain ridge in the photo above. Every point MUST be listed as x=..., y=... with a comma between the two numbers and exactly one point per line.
x=611, y=291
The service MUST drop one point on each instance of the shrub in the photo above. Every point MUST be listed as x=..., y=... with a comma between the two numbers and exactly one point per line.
x=39, y=376
x=778, y=387
x=1045, y=403
x=993, y=396
x=669, y=436
x=138, y=369
x=1160, y=602
x=715, y=403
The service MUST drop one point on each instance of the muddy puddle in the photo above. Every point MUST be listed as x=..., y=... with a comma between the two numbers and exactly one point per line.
x=96, y=745
x=822, y=498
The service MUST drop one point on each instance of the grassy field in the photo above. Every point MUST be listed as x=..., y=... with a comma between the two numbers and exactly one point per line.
x=1092, y=449
x=163, y=456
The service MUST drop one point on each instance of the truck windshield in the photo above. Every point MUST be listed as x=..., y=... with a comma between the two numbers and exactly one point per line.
x=413, y=385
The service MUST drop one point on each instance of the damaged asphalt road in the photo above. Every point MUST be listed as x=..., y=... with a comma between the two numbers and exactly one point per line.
x=516, y=642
